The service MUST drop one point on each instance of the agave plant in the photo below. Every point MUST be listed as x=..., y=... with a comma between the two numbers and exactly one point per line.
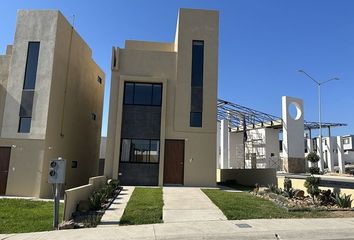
x=343, y=201
x=96, y=199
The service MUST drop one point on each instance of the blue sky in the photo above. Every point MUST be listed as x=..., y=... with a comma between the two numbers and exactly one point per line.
x=262, y=45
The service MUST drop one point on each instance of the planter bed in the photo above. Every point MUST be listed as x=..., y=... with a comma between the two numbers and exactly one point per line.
x=86, y=216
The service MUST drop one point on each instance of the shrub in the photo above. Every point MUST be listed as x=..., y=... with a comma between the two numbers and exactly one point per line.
x=327, y=197
x=311, y=184
x=96, y=199
x=314, y=170
x=109, y=190
x=343, y=201
x=114, y=183
x=289, y=193
x=274, y=189
x=313, y=157
x=287, y=184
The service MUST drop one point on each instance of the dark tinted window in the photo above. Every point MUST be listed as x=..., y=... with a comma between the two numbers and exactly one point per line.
x=154, y=151
x=31, y=65
x=140, y=150
x=197, y=99
x=129, y=93
x=156, y=94
x=197, y=63
x=143, y=94
x=196, y=119
x=24, y=125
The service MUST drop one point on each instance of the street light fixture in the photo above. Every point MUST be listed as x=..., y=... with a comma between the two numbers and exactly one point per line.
x=319, y=111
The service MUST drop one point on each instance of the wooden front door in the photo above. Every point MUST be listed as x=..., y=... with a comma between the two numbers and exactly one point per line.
x=4, y=167
x=174, y=162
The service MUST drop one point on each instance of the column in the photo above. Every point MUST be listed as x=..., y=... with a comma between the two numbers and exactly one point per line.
x=224, y=143
x=340, y=155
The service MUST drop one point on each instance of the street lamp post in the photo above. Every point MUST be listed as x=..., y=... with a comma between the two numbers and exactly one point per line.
x=319, y=111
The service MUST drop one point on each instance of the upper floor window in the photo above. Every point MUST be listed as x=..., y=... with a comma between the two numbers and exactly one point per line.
x=24, y=124
x=149, y=94
x=99, y=79
x=31, y=65
x=196, y=113
x=197, y=63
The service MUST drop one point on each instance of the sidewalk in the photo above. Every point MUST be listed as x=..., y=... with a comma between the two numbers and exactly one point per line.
x=182, y=204
x=342, y=228
x=115, y=212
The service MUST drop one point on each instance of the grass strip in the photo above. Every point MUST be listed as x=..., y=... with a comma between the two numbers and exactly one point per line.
x=144, y=207
x=19, y=215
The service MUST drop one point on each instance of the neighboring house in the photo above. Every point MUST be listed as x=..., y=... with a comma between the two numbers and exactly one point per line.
x=162, y=117
x=102, y=156
x=51, y=105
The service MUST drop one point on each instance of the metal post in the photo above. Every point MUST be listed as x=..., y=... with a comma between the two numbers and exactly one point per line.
x=319, y=112
x=56, y=206
x=320, y=123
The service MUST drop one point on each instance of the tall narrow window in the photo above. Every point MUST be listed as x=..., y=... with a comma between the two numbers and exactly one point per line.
x=29, y=84
x=196, y=114
x=31, y=65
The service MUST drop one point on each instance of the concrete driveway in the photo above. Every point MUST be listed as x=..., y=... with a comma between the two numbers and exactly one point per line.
x=187, y=204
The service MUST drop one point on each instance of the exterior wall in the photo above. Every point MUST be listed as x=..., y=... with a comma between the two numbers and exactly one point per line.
x=149, y=46
x=103, y=147
x=31, y=26
x=147, y=62
x=24, y=176
x=272, y=148
x=249, y=177
x=4, y=73
x=293, y=135
x=75, y=94
x=199, y=157
x=236, y=150
x=66, y=93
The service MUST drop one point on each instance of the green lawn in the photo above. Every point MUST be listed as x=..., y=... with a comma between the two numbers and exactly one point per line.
x=18, y=215
x=144, y=207
x=243, y=205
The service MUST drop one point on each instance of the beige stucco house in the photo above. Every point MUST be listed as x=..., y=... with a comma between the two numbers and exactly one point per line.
x=51, y=99
x=162, y=117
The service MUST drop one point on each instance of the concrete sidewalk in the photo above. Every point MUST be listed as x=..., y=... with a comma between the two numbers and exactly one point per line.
x=186, y=204
x=115, y=212
x=342, y=228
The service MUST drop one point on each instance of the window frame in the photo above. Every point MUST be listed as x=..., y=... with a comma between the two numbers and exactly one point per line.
x=135, y=162
x=24, y=87
x=197, y=83
x=151, y=97
x=19, y=124
x=201, y=119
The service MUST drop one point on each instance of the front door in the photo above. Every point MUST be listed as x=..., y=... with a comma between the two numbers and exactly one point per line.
x=4, y=167
x=174, y=162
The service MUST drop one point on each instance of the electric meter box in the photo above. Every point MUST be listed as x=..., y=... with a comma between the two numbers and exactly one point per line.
x=56, y=174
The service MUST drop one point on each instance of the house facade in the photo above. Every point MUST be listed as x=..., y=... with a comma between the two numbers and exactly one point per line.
x=162, y=117
x=51, y=105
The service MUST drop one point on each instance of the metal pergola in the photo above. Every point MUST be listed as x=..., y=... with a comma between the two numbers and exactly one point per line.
x=240, y=117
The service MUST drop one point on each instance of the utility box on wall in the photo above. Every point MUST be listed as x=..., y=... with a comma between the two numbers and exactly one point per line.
x=57, y=169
